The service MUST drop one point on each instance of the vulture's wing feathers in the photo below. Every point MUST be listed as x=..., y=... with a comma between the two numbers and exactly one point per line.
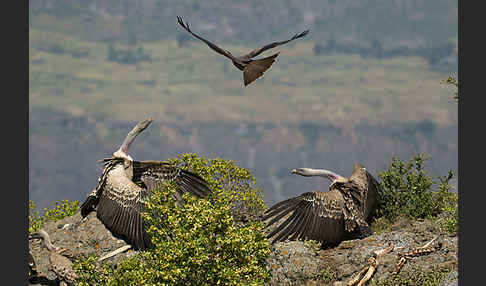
x=258, y=51
x=210, y=44
x=120, y=212
x=153, y=173
x=256, y=68
x=93, y=198
x=354, y=193
x=120, y=201
x=312, y=215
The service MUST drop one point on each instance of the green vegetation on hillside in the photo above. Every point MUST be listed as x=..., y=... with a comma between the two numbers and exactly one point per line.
x=414, y=23
x=193, y=84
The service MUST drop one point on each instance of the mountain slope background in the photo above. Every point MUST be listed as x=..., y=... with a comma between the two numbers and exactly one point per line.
x=364, y=85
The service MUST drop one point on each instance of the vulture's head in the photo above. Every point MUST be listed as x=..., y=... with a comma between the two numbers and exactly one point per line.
x=122, y=152
x=306, y=172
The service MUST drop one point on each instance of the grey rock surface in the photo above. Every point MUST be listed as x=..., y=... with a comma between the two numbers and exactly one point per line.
x=291, y=262
x=298, y=263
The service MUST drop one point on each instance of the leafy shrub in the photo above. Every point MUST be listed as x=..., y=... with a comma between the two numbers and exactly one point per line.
x=213, y=241
x=407, y=191
x=60, y=210
x=449, y=222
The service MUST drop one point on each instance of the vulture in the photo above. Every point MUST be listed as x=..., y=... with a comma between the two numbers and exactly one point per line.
x=61, y=265
x=252, y=68
x=328, y=217
x=125, y=184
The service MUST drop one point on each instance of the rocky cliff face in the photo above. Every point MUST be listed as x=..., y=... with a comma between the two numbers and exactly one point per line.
x=292, y=262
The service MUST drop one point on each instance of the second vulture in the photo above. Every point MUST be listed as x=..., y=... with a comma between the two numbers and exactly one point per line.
x=328, y=217
x=252, y=68
x=125, y=184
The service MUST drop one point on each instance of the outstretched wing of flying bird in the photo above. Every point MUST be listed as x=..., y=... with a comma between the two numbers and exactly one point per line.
x=258, y=51
x=210, y=44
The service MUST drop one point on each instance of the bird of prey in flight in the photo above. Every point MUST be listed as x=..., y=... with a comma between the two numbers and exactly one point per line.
x=252, y=68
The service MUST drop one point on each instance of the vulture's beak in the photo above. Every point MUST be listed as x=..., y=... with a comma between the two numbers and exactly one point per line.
x=294, y=171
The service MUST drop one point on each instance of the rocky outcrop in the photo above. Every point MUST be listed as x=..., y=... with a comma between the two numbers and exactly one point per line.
x=291, y=262
x=298, y=263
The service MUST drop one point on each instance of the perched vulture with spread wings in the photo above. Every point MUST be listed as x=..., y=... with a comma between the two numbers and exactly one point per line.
x=124, y=185
x=252, y=69
x=328, y=217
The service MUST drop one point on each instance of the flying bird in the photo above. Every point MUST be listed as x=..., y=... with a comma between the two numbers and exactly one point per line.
x=59, y=264
x=328, y=217
x=252, y=68
x=124, y=185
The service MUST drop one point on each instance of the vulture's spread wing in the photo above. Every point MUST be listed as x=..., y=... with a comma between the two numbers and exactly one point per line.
x=153, y=173
x=256, y=68
x=312, y=215
x=258, y=51
x=120, y=206
x=93, y=198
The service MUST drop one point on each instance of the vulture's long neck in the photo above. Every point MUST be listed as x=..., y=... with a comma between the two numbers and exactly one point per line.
x=46, y=239
x=308, y=172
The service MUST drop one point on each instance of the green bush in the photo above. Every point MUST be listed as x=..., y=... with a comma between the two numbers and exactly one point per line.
x=407, y=191
x=60, y=210
x=200, y=243
x=449, y=222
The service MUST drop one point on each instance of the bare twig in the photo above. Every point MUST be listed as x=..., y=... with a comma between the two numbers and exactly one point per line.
x=370, y=268
x=356, y=278
x=417, y=252
x=115, y=252
x=373, y=264
x=399, y=265
x=430, y=242
x=421, y=250
x=379, y=253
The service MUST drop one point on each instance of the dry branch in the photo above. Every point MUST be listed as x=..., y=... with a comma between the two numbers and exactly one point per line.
x=421, y=250
x=370, y=268
x=115, y=252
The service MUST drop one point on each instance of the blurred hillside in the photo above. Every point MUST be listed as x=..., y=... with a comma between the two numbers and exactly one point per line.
x=361, y=87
